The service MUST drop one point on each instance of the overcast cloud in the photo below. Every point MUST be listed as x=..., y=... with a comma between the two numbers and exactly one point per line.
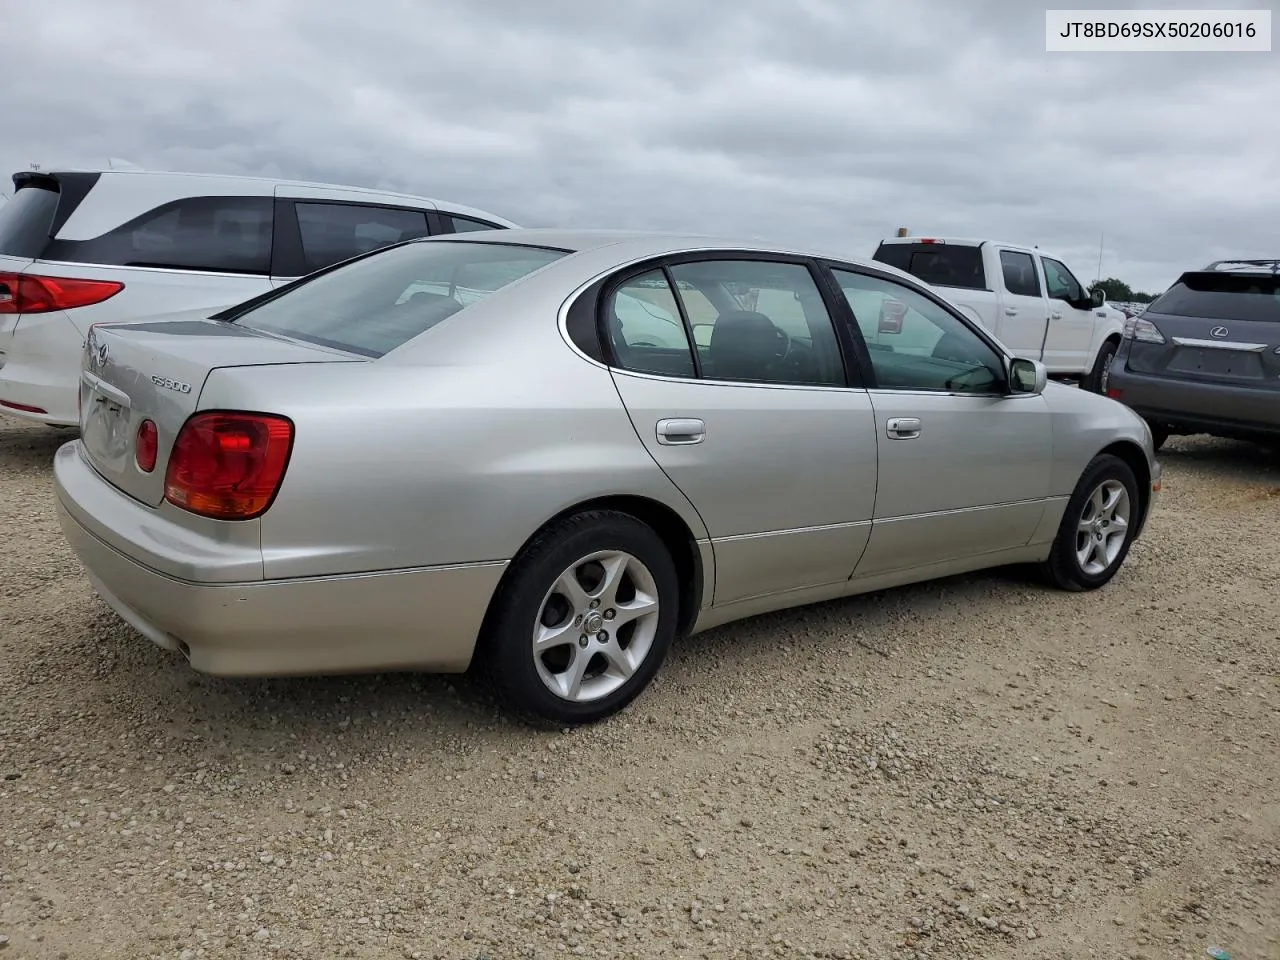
x=802, y=120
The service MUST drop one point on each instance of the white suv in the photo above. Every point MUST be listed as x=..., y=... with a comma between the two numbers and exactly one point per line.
x=85, y=247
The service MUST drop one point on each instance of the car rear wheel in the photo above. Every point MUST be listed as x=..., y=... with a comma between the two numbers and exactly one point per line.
x=1097, y=528
x=583, y=619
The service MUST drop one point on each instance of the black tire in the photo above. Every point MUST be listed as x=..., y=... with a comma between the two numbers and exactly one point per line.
x=507, y=642
x=1159, y=434
x=1093, y=381
x=1064, y=568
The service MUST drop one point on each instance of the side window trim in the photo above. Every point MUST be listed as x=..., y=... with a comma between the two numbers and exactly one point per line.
x=855, y=368
x=684, y=321
x=855, y=332
x=286, y=242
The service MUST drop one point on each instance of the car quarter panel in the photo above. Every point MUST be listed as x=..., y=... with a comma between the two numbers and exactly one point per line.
x=399, y=465
x=1084, y=424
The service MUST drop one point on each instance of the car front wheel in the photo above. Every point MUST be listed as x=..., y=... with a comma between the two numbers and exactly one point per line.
x=583, y=618
x=1097, y=528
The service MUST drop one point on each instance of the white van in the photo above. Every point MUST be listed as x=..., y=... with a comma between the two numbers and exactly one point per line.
x=80, y=247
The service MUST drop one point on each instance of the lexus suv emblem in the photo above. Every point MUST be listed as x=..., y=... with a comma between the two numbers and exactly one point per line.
x=1219, y=332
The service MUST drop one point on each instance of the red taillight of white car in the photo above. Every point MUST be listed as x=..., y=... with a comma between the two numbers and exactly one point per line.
x=228, y=465
x=28, y=293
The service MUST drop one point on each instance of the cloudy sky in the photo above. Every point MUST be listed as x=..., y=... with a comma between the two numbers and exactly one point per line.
x=802, y=120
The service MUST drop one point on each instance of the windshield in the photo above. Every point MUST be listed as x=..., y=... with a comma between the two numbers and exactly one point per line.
x=1221, y=296
x=374, y=305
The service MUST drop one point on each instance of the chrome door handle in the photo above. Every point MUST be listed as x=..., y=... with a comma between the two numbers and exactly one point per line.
x=681, y=431
x=1010, y=311
x=903, y=428
x=1055, y=315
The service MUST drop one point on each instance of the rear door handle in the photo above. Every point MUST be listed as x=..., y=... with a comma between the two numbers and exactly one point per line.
x=681, y=431
x=1010, y=311
x=903, y=428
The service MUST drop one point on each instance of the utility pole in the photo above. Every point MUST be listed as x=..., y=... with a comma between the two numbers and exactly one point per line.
x=1102, y=237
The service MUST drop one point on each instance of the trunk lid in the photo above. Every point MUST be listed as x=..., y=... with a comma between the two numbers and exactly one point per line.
x=1217, y=327
x=155, y=371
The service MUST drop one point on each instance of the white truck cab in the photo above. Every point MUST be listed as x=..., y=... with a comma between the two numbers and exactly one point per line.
x=1025, y=297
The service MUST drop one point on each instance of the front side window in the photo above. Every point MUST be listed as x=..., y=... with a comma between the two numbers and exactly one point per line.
x=914, y=344
x=1019, y=273
x=759, y=320
x=374, y=305
x=1061, y=285
x=332, y=232
x=221, y=234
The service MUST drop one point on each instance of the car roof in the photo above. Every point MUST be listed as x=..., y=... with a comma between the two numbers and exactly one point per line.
x=637, y=244
x=449, y=206
x=970, y=242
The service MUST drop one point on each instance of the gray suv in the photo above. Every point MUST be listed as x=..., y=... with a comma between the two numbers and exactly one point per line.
x=1205, y=356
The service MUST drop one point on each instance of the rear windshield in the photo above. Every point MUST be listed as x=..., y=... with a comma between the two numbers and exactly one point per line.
x=25, y=222
x=374, y=305
x=944, y=264
x=1221, y=296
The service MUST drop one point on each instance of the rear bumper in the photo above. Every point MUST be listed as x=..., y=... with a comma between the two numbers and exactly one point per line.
x=421, y=619
x=1202, y=407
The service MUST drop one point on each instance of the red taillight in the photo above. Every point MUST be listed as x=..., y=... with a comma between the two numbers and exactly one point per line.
x=146, y=446
x=228, y=465
x=28, y=293
x=927, y=240
x=1114, y=394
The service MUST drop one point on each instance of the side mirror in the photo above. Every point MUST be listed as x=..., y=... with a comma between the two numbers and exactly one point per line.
x=1097, y=296
x=1027, y=376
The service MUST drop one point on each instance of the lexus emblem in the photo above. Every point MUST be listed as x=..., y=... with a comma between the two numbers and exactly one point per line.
x=1219, y=332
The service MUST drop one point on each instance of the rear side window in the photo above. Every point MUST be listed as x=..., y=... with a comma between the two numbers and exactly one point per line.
x=944, y=264
x=220, y=234
x=1221, y=296
x=1019, y=273
x=374, y=305
x=26, y=221
x=466, y=224
x=332, y=232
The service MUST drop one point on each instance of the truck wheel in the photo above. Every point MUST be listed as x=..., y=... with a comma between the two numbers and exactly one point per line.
x=1097, y=379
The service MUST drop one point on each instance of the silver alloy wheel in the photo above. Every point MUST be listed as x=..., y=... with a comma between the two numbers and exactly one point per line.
x=1103, y=526
x=1105, y=378
x=595, y=626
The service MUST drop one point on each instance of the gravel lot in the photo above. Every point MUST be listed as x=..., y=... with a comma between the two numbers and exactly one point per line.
x=973, y=768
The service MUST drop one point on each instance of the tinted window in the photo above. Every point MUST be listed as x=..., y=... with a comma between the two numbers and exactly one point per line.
x=1221, y=296
x=759, y=320
x=25, y=222
x=224, y=234
x=374, y=305
x=946, y=264
x=466, y=224
x=1019, y=273
x=1059, y=282
x=915, y=344
x=340, y=231
x=644, y=328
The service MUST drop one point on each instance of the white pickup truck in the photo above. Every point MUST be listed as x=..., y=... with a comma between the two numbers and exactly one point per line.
x=1027, y=299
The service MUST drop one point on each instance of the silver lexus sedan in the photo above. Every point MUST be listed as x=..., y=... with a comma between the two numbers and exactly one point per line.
x=547, y=454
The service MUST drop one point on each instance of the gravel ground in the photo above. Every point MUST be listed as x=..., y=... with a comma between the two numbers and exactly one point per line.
x=972, y=768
